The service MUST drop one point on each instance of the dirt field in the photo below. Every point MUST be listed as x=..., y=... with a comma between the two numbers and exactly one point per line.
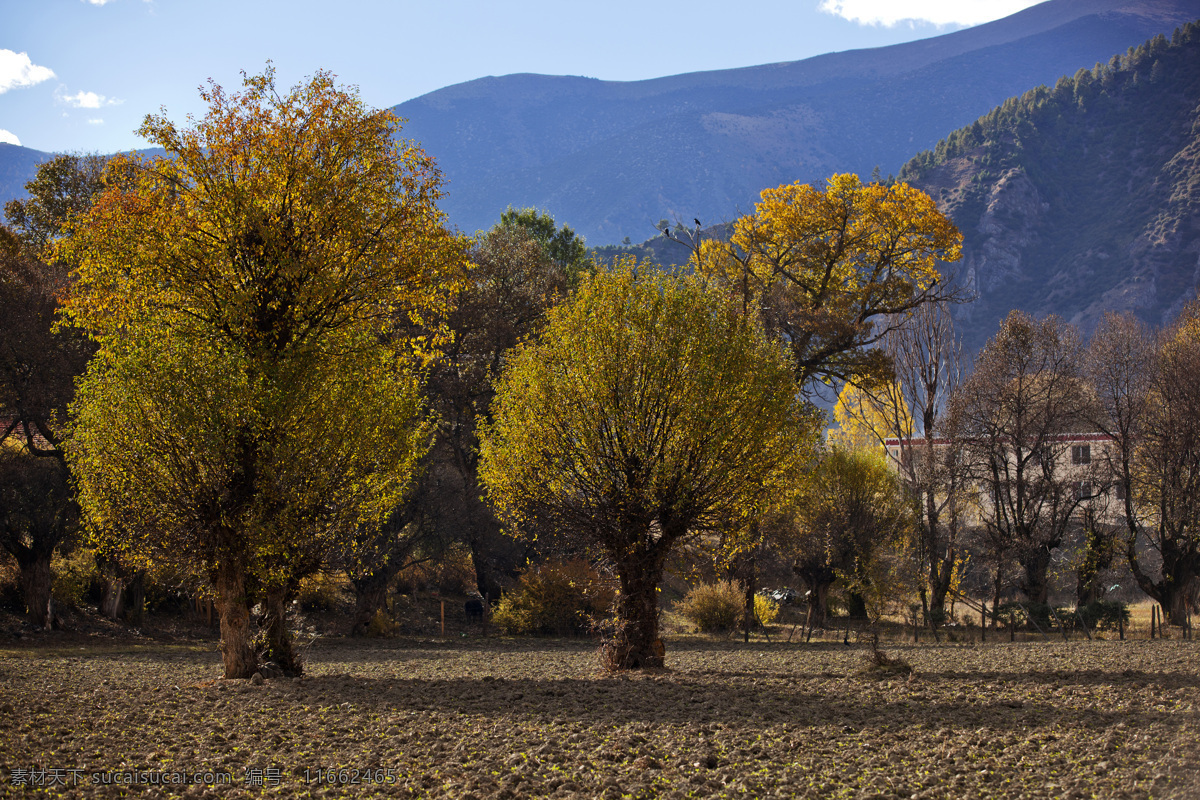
x=476, y=718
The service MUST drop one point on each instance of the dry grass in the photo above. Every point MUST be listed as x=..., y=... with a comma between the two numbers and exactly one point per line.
x=531, y=718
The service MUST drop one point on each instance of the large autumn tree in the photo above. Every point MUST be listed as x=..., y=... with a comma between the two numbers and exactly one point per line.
x=648, y=411
x=252, y=402
x=831, y=272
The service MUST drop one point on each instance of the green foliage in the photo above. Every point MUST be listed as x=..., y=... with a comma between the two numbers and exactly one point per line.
x=557, y=598
x=562, y=245
x=1106, y=197
x=1105, y=614
x=64, y=186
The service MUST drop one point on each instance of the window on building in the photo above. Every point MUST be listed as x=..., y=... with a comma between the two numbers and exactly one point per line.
x=1081, y=454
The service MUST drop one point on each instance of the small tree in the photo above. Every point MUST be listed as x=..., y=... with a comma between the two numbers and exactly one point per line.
x=839, y=520
x=649, y=411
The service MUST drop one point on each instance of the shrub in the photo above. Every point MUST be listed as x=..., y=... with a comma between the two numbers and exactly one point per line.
x=451, y=572
x=323, y=591
x=714, y=607
x=1105, y=614
x=559, y=598
x=766, y=609
x=382, y=626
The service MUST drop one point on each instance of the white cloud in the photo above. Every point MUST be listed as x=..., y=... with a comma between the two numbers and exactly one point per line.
x=7, y=137
x=95, y=122
x=97, y=2
x=938, y=12
x=16, y=71
x=87, y=100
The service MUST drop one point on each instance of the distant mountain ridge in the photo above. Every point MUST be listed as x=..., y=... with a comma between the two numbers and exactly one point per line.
x=612, y=158
x=1081, y=198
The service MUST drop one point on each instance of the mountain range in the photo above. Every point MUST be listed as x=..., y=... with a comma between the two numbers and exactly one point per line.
x=1081, y=198
x=613, y=158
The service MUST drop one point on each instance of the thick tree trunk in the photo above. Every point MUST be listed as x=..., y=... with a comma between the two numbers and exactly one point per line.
x=237, y=652
x=485, y=579
x=1034, y=583
x=370, y=596
x=818, y=604
x=856, y=605
x=35, y=588
x=278, y=646
x=817, y=580
x=135, y=603
x=636, y=643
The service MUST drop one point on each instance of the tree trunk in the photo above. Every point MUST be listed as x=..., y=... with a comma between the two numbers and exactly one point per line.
x=856, y=605
x=636, y=643
x=1034, y=583
x=278, y=646
x=135, y=606
x=237, y=653
x=370, y=595
x=818, y=604
x=35, y=588
x=485, y=579
x=112, y=605
x=817, y=581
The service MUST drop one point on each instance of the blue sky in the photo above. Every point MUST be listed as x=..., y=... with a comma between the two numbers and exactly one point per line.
x=79, y=75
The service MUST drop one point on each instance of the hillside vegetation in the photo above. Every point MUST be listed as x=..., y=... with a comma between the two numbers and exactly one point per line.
x=1083, y=197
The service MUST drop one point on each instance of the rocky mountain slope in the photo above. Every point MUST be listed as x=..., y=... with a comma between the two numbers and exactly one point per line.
x=613, y=158
x=1083, y=197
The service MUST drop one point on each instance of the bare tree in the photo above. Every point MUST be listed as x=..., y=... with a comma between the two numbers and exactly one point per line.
x=1019, y=409
x=928, y=448
x=1148, y=396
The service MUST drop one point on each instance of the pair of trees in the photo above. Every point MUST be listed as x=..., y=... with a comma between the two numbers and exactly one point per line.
x=254, y=399
x=655, y=408
x=1147, y=399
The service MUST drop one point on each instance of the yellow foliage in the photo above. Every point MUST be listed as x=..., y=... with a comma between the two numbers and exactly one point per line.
x=255, y=396
x=827, y=264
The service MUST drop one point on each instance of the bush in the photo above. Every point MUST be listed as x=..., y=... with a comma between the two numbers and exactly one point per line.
x=766, y=609
x=451, y=572
x=323, y=592
x=560, y=598
x=714, y=607
x=382, y=626
x=1105, y=614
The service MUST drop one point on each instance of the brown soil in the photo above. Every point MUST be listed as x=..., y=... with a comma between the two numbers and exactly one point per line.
x=494, y=718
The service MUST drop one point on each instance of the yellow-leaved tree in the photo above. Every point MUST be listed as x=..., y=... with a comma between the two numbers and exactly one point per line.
x=647, y=412
x=832, y=271
x=253, y=399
